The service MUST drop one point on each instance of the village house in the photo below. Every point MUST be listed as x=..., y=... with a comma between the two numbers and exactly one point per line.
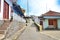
x=50, y=20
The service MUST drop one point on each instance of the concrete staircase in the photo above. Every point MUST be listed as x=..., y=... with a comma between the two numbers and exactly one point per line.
x=14, y=29
x=8, y=29
x=3, y=29
x=1, y=22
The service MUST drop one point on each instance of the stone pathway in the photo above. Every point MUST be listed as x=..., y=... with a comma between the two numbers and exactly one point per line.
x=30, y=33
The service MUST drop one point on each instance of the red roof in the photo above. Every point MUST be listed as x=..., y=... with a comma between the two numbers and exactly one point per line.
x=51, y=13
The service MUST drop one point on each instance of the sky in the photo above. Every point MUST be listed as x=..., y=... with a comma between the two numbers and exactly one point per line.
x=38, y=7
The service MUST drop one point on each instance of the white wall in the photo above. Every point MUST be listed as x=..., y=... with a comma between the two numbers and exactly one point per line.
x=18, y=18
x=1, y=14
x=10, y=13
x=36, y=19
x=58, y=23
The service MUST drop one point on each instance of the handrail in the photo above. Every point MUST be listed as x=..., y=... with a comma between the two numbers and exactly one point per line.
x=40, y=26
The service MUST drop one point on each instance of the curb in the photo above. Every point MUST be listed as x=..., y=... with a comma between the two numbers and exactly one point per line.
x=50, y=36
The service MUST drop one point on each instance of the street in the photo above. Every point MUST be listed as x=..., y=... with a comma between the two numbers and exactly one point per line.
x=31, y=33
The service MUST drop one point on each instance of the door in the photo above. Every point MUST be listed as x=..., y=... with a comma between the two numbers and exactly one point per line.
x=6, y=11
x=53, y=22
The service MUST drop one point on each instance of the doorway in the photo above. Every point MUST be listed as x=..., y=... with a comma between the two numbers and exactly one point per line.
x=6, y=10
x=52, y=23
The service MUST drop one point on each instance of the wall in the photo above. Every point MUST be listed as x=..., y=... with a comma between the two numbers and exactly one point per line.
x=36, y=19
x=51, y=17
x=1, y=13
x=58, y=23
x=10, y=13
x=18, y=18
x=45, y=23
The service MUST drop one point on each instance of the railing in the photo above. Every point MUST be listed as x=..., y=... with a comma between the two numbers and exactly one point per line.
x=39, y=26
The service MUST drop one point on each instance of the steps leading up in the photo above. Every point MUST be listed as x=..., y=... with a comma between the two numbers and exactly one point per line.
x=4, y=27
x=14, y=27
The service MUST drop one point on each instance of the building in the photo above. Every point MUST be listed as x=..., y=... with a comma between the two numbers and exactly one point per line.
x=5, y=10
x=51, y=20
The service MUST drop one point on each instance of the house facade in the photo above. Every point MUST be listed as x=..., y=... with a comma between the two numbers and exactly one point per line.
x=51, y=20
x=5, y=10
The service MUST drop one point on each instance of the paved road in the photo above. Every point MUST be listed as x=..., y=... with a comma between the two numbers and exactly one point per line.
x=52, y=33
x=31, y=33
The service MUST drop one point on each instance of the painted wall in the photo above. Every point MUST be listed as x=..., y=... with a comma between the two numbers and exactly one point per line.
x=45, y=23
x=58, y=21
x=36, y=19
x=18, y=18
x=10, y=13
x=1, y=13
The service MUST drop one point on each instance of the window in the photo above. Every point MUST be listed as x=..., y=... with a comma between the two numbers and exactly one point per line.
x=50, y=21
x=0, y=5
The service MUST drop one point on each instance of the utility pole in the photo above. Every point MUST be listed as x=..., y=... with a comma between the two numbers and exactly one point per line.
x=28, y=7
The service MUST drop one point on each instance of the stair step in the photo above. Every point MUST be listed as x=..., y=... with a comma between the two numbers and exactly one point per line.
x=4, y=27
x=2, y=32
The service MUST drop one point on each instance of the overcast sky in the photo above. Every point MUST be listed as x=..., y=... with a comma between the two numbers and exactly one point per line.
x=38, y=7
